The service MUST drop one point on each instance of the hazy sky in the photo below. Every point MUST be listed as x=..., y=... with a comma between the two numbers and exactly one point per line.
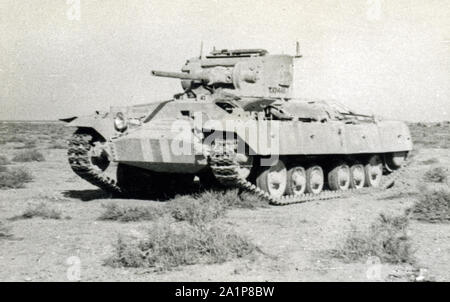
x=388, y=57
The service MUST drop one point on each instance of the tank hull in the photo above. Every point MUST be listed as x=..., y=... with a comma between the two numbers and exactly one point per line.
x=170, y=145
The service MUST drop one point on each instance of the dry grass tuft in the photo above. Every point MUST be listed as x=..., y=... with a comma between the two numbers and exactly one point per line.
x=14, y=178
x=57, y=145
x=386, y=239
x=433, y=206
x=233, y=199
x=4, y=160
x=27, y=145
x=195, y=209
x=209, y=205
x=130, y=213
x=169, y=245
x=5, y=231
x=436, y=174
x=431, y=161
x=29, y=156
x=14, y=139
x=42, y=210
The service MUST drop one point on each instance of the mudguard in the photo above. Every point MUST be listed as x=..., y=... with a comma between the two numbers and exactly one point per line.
x=100, y=122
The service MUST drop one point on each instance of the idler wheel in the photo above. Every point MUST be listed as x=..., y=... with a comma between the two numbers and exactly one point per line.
x=273, y=179
x=395, y=160
x=314, y=179
x=296, y=181
x=339, y=178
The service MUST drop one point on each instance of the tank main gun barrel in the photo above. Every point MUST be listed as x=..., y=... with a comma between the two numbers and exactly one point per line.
x=179, y=75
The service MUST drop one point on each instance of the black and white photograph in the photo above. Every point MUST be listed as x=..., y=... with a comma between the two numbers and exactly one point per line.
x=215, y=141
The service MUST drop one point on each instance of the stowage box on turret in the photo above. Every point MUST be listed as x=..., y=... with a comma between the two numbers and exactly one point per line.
x=237, y=124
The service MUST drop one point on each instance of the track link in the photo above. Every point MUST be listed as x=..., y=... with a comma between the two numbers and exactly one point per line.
x=80, y=162
x=225, y=169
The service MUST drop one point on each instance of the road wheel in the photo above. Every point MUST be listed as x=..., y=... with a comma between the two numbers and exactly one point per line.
x=296, y=181
x=273, y=179
x=314, y=179
x=339, y=178
x=374, y=171
x=357, y=176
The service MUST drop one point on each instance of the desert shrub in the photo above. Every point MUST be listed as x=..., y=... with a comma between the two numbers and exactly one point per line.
x=43, y=137
x=29, y=156
x=14, y=178
x=231, y=199
x=14, y=139
x=52, y=196
x=433, y=205
x=5, y=231
x=42, y=210
x=57, y=145
x=27, y=145
x=210, y=205
x=4, y=160
x=243, y=200
x=430, y=161
x=3, y=169
x=397, y=195
x=129, y=213
x=386, y=239
x=196, y=210
x=169, y=245
x=436, y=174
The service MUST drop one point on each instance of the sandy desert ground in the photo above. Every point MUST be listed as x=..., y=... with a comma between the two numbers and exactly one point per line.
x=293, y=242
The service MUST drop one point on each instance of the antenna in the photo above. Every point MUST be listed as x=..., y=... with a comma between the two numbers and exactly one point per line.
x=297, y=50
x=201, y=50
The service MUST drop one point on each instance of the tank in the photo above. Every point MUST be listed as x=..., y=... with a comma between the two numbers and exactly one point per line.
x=237, y=124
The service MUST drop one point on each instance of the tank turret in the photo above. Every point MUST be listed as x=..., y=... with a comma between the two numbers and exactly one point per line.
x=242, y=72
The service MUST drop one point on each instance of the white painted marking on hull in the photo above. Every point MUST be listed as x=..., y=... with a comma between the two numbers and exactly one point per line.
x=146, y=150
x=165, y=150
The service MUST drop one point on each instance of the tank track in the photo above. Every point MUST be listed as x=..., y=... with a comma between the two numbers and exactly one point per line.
x=79, y=160
x=225, y=169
